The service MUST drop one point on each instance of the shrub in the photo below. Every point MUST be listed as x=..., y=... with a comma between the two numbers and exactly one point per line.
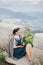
x=2, y=57
x=28, y=36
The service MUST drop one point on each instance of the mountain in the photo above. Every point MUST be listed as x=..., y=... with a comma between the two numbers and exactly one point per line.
x=33, y=19
x=10, y=14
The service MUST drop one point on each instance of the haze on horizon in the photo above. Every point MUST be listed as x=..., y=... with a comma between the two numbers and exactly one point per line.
x=22, y=5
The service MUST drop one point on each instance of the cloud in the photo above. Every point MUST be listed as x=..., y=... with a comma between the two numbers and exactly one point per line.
x=34, y=1
x=22, y=5
x=29, y=1
x=3, y=2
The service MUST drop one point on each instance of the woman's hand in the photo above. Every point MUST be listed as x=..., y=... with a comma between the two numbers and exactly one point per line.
x=20, y=46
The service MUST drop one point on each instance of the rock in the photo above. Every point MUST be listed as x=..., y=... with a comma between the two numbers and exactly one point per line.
x=38, y=47
x=5, y=36
x=38, y=40
x=36, y=62
x=22, y=61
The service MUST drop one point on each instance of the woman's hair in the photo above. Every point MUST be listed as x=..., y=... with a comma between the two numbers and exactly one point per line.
x=15, y=30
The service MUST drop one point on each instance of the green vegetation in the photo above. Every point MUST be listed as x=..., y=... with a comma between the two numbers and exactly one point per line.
x=28, y=36
x=2, y=57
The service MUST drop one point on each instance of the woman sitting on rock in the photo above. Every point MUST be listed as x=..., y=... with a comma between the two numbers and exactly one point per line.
x=19, y=47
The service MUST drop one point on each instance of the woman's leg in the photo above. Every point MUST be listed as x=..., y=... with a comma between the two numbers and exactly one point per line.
x=29, y=51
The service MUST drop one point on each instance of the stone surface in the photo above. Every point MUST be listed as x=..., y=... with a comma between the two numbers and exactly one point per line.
x=22, y=61
x=35, y=62
x=38, y=54
x=6, y=34
x=38, y=40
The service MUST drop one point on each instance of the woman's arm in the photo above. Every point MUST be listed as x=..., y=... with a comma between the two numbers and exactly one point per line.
x=17, y=46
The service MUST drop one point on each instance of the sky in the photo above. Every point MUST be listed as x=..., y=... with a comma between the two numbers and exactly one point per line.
x=22, y=5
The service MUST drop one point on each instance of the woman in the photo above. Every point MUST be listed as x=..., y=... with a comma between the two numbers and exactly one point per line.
x=19, y=48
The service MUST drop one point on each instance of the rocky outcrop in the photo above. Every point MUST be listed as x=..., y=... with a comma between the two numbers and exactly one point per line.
x=6, y=34
x=38, y=47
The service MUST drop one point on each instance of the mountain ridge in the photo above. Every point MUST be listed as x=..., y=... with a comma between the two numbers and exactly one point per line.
x=20, y=15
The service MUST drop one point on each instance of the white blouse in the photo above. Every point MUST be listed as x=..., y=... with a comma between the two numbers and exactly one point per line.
x=18, y=38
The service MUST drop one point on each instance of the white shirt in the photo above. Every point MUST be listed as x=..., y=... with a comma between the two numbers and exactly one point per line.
x=18, y=38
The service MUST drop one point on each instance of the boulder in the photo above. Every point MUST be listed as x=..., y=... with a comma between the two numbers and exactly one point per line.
x=38, y=47
x=38, y=40
x=6, y=34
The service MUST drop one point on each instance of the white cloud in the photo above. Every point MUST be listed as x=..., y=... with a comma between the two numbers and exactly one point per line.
x=22, y=5
x=25, y=9
x=3, y=1
x=22, y=1
x=34, y=1
x=29, y=1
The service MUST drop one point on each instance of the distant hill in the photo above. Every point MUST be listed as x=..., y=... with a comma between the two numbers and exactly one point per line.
x=33, y=19
x=10, y=14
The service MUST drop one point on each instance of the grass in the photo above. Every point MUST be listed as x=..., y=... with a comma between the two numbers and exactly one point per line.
x=2, y=57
